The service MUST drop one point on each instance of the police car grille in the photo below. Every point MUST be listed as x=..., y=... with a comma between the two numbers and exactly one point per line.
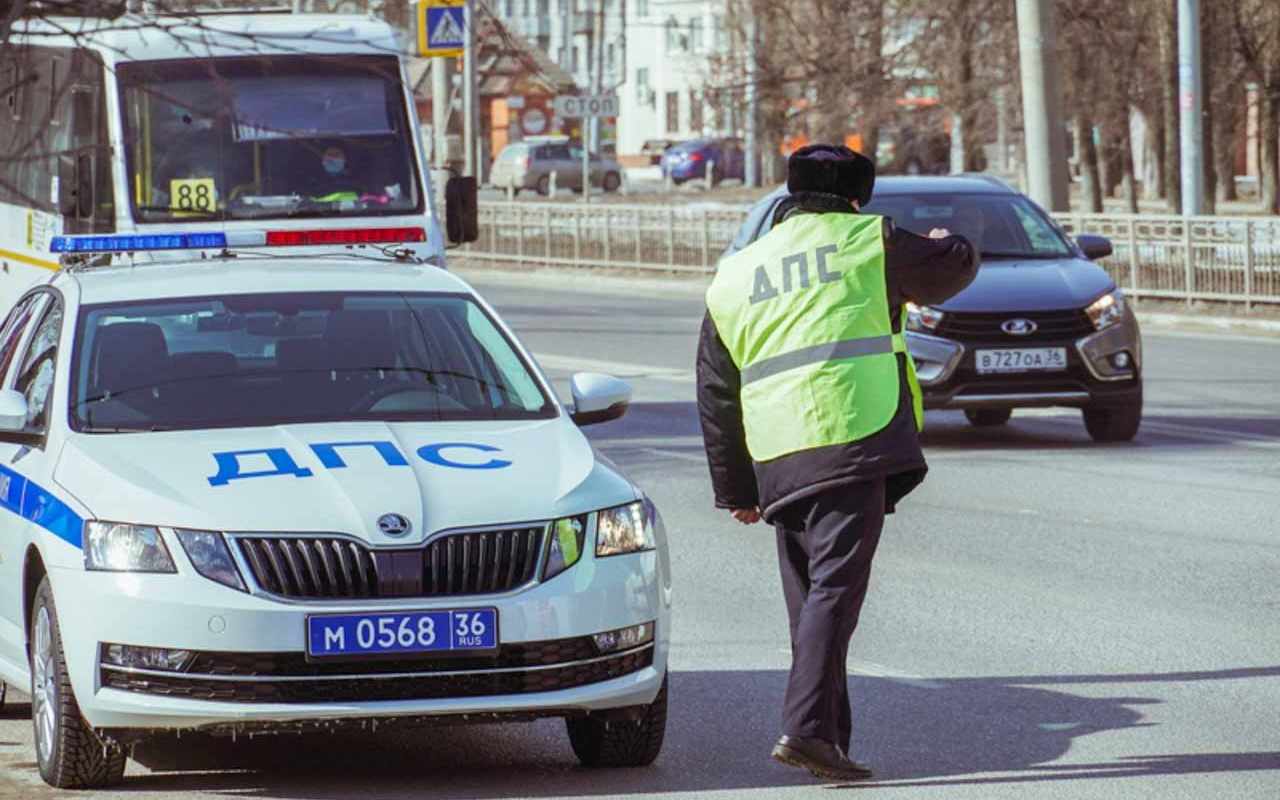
x=481, y=562
x=353, y=688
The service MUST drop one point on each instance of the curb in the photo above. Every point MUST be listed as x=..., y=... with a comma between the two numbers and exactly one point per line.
x=1239, y=326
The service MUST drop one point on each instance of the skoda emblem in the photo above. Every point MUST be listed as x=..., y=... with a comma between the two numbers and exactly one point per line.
x=1018, y=327
x=394, y=524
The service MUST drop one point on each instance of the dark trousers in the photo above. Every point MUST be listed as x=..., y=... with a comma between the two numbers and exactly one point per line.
x=825, y=546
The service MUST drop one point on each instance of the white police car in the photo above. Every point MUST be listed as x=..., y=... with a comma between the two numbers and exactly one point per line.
x=260, y=493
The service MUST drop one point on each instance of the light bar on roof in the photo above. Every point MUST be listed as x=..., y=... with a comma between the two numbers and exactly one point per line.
x=131, y=242
x=345, y=236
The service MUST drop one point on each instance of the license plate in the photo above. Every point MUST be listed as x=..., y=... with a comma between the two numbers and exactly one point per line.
x=404, y=633
x=1031, y=359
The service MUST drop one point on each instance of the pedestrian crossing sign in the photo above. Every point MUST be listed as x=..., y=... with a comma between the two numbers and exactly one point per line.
x=442, y=28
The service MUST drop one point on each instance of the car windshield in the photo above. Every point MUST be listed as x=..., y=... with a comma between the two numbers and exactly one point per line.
x=272, y=359
x=267, y=137
x=1000, y=225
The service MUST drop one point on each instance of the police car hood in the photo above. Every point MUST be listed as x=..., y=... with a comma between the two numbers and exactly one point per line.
x=342, y=477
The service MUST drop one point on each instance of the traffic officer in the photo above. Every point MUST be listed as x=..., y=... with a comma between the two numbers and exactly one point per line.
x=810, y=413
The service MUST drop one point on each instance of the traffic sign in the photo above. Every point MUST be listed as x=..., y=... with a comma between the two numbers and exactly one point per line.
x=600, y=105
x=442, y=28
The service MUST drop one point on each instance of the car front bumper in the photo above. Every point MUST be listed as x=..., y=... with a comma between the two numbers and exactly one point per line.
x=949, y=379
x=251, y=667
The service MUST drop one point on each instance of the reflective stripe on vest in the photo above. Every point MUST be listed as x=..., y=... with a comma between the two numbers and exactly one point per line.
x=805, y=317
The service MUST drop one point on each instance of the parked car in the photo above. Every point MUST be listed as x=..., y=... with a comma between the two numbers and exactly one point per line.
x=529, y=165
x=654, y=148
x=1041, y=325
x=688, y=160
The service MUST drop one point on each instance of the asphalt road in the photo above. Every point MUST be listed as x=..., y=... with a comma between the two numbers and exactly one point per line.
x=1048, y=617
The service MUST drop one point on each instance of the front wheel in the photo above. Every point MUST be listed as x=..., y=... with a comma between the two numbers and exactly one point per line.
x=544, y=185
x=615, y=743
x=69, y=754
x=1114, y=423
x=611, y=182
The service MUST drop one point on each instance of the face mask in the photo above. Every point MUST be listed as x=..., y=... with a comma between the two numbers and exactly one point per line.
x=334, y=165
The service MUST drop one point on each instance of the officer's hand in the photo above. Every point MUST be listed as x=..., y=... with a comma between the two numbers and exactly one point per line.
x=747, y=516
x=939, y=233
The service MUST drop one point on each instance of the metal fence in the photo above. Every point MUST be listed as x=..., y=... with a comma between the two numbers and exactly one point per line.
x=1228, y=259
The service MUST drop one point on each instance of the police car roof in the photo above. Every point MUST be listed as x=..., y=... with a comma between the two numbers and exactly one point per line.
x=942, y=184
x=249, y=274
x=139, y=38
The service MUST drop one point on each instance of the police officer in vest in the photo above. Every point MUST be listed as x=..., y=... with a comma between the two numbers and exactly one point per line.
x=811, y=412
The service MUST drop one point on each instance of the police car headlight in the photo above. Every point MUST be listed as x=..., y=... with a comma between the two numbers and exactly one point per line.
x=625, y=529
x=120, y=547
x=568, y=537
x=923, y=318
x=1106, y=310
x=211, y=558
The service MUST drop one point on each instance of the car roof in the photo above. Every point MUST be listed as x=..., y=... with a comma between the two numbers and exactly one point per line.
x=250, y=274
x=940, y=184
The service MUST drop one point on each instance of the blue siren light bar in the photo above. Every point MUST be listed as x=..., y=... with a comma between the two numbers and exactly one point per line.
x=124, y=243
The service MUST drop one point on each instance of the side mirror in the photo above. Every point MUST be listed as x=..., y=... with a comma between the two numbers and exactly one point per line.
x=13, y=411
x=1094, y=247
x=461, y=210
x=76, y=186
x=598, y=398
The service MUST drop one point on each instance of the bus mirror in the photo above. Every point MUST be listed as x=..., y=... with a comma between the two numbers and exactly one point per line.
x=67, y=184
x=461, y=210
x=85, y=184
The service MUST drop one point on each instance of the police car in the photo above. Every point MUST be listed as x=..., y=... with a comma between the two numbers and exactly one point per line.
x=250, y=493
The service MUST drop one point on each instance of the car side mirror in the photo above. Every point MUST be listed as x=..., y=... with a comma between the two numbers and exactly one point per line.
x=1094, y=247
x=598, y=398
x=13, y=411
x=461, y=210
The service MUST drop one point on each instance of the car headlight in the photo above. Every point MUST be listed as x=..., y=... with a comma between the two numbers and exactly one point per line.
x=120, y=547
x=568, y=537
x=923, y=318
x=211, y=558
x=1106, y=310
x=625, y=529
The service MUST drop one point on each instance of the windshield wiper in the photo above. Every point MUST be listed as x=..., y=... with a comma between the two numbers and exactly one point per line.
x=1028, y=256
x=181, y=213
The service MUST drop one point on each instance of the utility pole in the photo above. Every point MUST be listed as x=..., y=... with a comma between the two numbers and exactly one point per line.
x=470, y=103
x=1042, y=105
x=441, y=101
x=752, y=173
x=597, y=75
x=1191, y=100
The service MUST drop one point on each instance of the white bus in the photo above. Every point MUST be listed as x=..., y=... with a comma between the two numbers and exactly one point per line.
x=253, y=129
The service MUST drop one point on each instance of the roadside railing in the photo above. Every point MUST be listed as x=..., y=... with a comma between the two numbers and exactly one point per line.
x=1223, y=259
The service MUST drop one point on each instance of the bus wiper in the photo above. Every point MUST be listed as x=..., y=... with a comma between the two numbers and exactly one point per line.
x=182, y=212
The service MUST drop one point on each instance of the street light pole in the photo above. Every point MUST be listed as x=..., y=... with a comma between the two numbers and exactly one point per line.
x=1042, y=105
x=1191, y=100
x=751, y=176
x=469, y=100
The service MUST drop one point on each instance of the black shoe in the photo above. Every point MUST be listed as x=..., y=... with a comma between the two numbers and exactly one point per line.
x=821, y=758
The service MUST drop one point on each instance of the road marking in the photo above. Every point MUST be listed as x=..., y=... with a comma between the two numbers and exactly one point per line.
x=621, y=369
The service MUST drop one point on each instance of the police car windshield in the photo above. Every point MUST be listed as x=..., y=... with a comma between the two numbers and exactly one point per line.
x=273, y=359
x=1000, y=225
x=267, y=137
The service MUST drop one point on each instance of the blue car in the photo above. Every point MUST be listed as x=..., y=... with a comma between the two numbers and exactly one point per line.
x=688, y=160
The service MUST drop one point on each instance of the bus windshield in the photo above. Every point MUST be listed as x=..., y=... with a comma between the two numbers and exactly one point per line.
x=267, y=137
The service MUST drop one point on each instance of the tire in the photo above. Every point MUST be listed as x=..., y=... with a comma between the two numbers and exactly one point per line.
x=601, y=743
x=69, y=754
x=544, y=185
x=611, y=182
x=988, y=417
x=1114, y=423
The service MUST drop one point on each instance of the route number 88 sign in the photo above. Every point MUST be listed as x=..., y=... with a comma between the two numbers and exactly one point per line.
x=193, y=194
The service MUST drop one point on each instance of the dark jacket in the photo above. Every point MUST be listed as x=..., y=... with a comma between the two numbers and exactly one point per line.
x=927, y=271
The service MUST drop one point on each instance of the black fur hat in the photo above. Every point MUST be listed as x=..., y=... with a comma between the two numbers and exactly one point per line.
x=831, y=169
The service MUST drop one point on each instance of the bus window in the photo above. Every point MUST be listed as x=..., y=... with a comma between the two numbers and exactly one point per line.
x=267, y=137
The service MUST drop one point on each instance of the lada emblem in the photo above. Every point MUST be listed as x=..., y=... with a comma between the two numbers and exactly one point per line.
x=1018, y=327
x=394, y=524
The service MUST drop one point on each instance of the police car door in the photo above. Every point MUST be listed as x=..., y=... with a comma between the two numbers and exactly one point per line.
x=26, y=468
